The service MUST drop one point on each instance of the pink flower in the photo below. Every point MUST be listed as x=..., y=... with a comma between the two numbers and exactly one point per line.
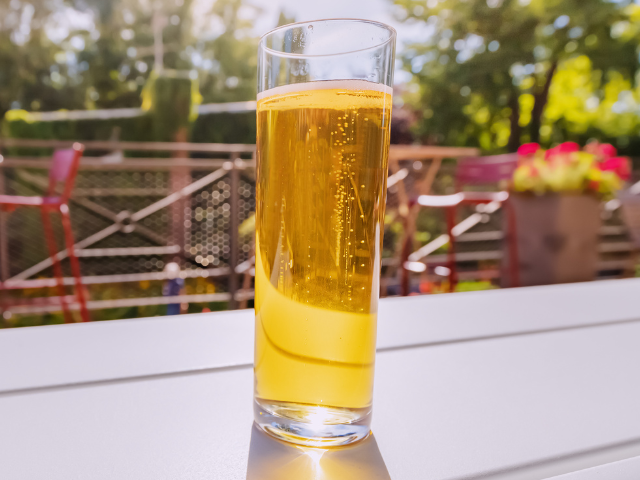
x=528, y=149
x=551, y=152
x=568, y=147
x=607, y=150
x=620, y=165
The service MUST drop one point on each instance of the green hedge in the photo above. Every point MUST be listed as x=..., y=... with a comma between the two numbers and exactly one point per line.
x=225, y=128
x=211, y=128
x=131, y=129
x=170, y=101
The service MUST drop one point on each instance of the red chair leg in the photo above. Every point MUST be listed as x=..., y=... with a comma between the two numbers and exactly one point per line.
x=451, y=255
x=75, y=265
x=514, y=267
x=57, y=269
x=405, y=277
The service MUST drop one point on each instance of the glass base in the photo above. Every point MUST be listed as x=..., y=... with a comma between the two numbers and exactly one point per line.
x=312, y=425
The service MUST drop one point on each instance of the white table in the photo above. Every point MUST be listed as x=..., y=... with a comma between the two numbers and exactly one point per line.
x=513, y=384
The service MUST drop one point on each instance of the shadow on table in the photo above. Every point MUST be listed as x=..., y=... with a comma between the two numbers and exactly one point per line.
x=271, y=459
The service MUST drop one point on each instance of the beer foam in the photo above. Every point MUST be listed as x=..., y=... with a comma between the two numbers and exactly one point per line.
x=350, y=85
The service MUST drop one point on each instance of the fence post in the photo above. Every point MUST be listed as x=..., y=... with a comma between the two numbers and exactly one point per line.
x=179, y=177
x=234, y=225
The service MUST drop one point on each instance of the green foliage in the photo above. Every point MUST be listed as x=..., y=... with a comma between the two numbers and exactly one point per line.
x=215, y=128
x=110, y=66
x=488, y=68
x=571, y=172
x=225, y=128
x=135, y=128
x=170, y=99
x=477, y=286
x=115, y=291
x=30, y=75
x=228, y=69
x=105, y=61
x=584, y=101
x=17, y=125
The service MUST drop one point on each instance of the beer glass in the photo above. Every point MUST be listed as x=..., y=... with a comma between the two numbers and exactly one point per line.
x=324, y=109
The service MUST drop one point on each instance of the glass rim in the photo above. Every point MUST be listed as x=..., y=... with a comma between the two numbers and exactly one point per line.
x=392, y=36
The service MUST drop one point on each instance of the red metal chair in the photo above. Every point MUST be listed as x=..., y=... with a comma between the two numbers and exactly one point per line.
x=485, y=170
x=478, y=171
x=62, y=175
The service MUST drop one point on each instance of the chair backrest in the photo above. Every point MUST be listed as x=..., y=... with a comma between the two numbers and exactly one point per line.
x=64, y=167
x=630, y=205
x=485, y=170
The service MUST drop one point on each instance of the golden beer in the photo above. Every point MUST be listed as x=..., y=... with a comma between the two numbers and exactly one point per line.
x=322, y=150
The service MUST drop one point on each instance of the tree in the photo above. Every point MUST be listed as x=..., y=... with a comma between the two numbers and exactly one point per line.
x=231, y=54
x=485, y=71
x=103, y=58
x=215, y=42
x=33, y=73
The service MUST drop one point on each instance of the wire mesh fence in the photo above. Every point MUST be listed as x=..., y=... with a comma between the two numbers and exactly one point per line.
x=193, y=205
x=130, y=219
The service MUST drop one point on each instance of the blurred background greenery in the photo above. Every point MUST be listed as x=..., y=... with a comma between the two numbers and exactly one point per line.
x=492, y=74
x=498, y=73
x=487, y=73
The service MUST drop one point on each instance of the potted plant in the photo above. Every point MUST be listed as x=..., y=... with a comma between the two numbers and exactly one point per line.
x=556, y=198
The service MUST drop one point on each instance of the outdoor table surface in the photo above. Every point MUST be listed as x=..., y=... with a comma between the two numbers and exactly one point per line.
x=524, y=383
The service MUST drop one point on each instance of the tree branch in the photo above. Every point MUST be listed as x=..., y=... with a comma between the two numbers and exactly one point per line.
x=540, y=101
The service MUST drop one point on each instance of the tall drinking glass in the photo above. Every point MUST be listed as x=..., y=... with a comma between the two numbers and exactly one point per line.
x=324, y=109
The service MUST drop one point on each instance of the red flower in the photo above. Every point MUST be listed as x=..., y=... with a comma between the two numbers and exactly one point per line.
x=528, y=149
x=568, y=147
x=619, y=165
x=607, y=150
x=551, y=152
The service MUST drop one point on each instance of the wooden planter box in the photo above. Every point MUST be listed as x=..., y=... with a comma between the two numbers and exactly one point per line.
x=557, y=238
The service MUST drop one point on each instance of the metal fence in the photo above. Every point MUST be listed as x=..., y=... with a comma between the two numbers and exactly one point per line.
x=138, y=206
x=131, y=216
